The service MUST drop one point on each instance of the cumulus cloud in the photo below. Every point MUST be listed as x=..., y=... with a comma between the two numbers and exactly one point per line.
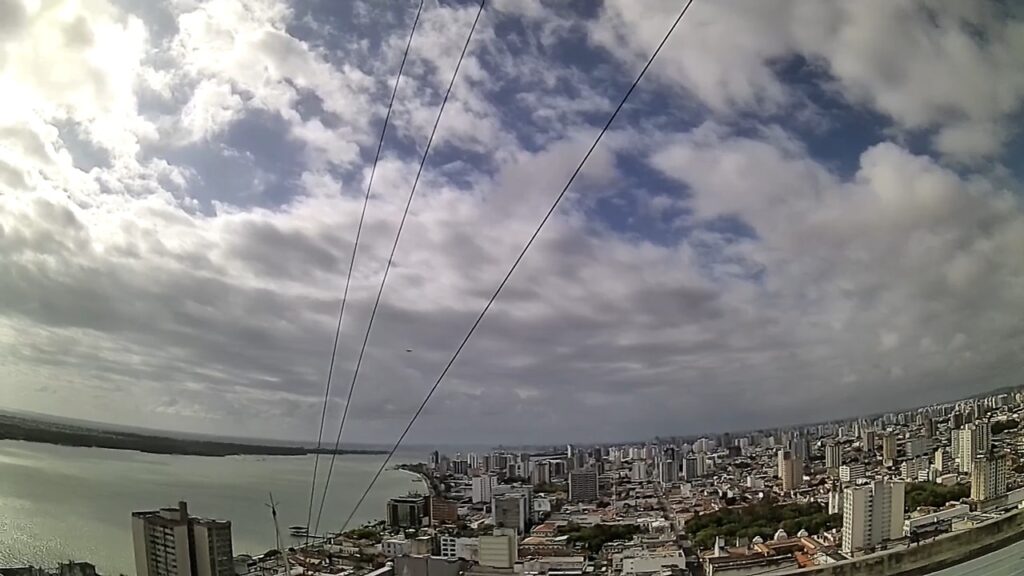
x=174, y=231
x=930, y=66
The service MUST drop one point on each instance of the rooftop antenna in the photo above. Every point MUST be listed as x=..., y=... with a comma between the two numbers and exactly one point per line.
x=277, y=534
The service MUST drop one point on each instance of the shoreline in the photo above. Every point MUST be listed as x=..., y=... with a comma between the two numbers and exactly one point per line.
x=225, y=454
x=27, y=430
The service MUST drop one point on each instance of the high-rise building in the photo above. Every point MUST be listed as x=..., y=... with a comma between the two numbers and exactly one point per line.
x=988, y=476
x=889, y=448
x=639, y=471
x=791, y=470
x=459, y=467
x=511, y=511
x=867, y=440
x=833, y=457
x=929, y=428
x=407, y=511
x=580, y=460
x=956, y=420
x=701, y=445
x=669, y=471
x=702, y=465
x=443, y=511
x=690, y=467
x=169, y=542
x=942, y=461
x=835, y=500
x=800, y=447
x=541, y=473
x=972, y=440
x=910, y=470
x=483, y=487
x=918, y=446
x=851, y=472
x=872, y=513
x=583, y=486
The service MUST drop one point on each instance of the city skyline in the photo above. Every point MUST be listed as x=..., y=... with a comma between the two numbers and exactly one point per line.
x=807, y=210
x=414, y=447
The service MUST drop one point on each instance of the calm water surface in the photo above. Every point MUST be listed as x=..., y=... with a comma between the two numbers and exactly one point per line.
x=59, y=503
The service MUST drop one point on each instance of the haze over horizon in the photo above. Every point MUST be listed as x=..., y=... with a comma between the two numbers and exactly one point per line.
x=806, y=211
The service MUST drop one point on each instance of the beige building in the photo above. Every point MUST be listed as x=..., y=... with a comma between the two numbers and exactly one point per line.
x=888, y=448
x=988, y=477
x=169, y=542
x=499, y=550
x=791, y=470
x=872, y=513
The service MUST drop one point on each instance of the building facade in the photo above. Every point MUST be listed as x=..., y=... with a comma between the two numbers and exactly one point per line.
x=483, y=487
x=510, y=511
x=407, y=511
x=988, y=477
x=872, y=513
x=443, y=511
x=791, y=470
x=583, y=486
x=170, y=542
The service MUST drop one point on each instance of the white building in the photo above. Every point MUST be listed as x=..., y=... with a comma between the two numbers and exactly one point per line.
x=851, y=472
x=910, y=470
x=835, y=501
x=393, y=547
x=464, y=548
x=973, y=439
x=639, y=471
x=872, y=513
x=169, y=542
x=483, y=487
x=833, y=457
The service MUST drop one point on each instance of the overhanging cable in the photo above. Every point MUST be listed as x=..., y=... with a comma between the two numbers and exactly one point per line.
x=387, y=268
x=348, y=279
x=515, y=265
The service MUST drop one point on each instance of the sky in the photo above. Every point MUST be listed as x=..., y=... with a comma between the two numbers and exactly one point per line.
x=806, y=210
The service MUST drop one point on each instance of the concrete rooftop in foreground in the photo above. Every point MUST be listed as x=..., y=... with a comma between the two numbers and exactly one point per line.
x=1008, y=561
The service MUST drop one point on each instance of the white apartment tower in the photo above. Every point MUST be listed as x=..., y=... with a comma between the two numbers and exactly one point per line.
x=972, y=440
x=833, y=457
x=872, y=513
x=169, y=542
x=483, y=487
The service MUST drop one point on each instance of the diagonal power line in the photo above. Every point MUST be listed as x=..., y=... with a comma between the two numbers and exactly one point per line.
x=387, y=268
x=348, y=277
x=515, y=264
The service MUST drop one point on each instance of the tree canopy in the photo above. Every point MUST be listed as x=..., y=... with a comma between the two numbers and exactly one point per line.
x=762, y=519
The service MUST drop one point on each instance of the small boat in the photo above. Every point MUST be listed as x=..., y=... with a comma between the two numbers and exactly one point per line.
x=298, y=530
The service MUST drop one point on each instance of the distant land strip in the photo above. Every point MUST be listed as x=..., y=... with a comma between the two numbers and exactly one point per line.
x=28, y=430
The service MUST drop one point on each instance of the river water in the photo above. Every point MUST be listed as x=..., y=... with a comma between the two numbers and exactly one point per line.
x=59, y=503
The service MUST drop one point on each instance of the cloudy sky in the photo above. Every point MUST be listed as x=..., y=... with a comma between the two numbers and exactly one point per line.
x=807, y=210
